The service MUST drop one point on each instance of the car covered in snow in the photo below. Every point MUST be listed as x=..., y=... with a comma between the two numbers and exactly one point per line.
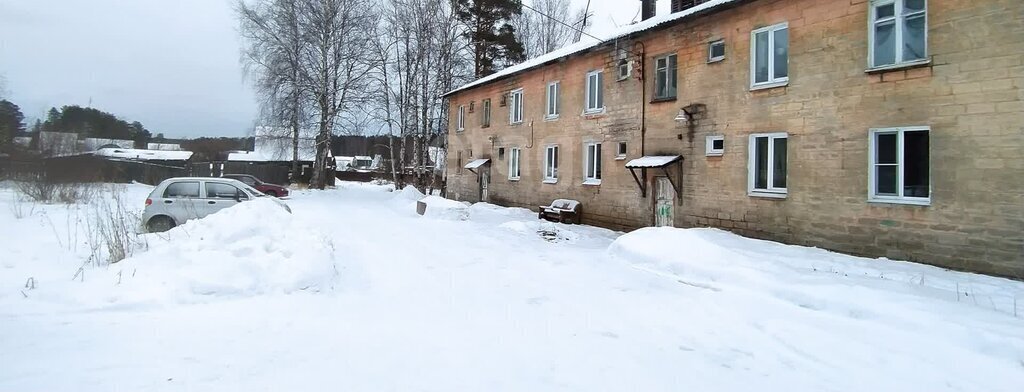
x=265, y=187
x=176, y=200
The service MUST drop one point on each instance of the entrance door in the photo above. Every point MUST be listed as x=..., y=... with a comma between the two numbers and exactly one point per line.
x=485, y=179
x=664, y=202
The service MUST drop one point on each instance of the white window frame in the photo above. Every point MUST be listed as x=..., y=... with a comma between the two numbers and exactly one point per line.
x=591, y=174
x=772, y=80
x=872, y=163
x=514, y=164
x=460, y=119
x=486, y=120
x=515, y=107
x=711, y=57
x=898, y=19
x=619, y=153
x=709, y=146
x=551, y=164
x=769, y=191
x=674, y=74
x=551, y=92
x=597, y=75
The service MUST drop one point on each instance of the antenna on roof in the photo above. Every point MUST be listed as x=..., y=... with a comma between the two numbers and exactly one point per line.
x=583, y=25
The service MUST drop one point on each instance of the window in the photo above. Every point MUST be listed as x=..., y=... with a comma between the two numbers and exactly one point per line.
x=899, y=170
x=485, y=118
x=472, y=105
x=551, y=164
x=767, y=165
x=716, y=51
x=515, y=110
x=593, y=164
x=513, y=163
x=899, y=32
x=458, y=162
x=595, y=95
x=769, y=56
x=623, y=66
x=182, y=189
x=715, y=146
x=501, y=153
x=552, y=101
x=216, y=190
x=460, y=119
x=665, y=77
x=620, y=153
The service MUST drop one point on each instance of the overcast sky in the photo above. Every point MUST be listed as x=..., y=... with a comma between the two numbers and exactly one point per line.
x=171, y=64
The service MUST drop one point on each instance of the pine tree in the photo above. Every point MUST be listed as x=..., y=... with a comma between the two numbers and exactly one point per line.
x=11, y=122
x=492, y=36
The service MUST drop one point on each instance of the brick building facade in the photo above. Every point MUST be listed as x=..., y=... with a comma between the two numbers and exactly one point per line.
x=887, y=128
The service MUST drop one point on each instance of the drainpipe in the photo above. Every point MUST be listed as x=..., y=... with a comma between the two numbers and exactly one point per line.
x=643, y=98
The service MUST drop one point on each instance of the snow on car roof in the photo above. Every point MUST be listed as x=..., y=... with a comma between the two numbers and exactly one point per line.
x=589, y=42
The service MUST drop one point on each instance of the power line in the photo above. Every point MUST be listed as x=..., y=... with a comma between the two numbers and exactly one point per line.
x=600, y=41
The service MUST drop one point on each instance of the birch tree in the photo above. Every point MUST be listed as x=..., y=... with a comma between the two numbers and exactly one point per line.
x=273, y=43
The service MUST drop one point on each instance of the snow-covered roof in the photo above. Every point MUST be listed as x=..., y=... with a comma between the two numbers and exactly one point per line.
x=653, y=161
x=143, y=155
x=589, y=42
x=477, y=163
x=163, y=146
x=96, y=143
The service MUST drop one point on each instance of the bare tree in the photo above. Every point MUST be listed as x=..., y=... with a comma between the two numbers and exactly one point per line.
x=335, y=60
x=273, y=44
x=421, y=52
x=547, y=25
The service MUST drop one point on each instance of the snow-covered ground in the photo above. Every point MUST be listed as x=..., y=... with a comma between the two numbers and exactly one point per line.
x=356, y=292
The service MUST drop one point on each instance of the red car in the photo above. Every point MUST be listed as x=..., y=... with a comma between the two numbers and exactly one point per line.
x=267, y=188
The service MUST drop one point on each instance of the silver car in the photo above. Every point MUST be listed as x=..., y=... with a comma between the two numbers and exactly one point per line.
x=176, y=200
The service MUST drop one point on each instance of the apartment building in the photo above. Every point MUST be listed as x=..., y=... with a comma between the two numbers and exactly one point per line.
x=883, y=128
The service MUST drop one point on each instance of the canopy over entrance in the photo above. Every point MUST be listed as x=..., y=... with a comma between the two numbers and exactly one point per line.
x=654, y=162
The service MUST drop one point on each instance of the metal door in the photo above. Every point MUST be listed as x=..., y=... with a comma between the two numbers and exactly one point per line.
x=485, y=179
x=664, y=202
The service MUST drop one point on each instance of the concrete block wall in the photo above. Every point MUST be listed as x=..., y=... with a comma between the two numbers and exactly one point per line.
x=970, y=95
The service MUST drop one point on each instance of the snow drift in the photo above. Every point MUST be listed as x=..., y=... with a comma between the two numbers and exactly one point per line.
x=252, y=248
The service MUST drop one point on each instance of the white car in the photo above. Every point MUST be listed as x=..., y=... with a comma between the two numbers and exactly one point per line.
x=176, y=200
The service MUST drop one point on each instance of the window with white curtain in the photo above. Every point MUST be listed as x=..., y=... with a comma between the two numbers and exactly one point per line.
x=513, y=164
x=551, y=164
x=515, y=110
x=899, y=30
x=595, y=95
x=769, y=56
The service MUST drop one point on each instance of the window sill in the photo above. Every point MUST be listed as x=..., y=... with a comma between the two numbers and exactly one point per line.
x=666, y=99
x=913, y=202
x=550, y=181
x=513, y=124
x=767, y=194
x=592, y=182
x=898, y=67
x=716, y=60
x=715, y=153
x=514, y=179
x=622, y=78
x=765, y=86
x=593, y=113
x=620, y=157
x=551, y=118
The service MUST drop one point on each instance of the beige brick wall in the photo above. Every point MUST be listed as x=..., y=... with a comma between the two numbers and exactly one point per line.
x=970, y=96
